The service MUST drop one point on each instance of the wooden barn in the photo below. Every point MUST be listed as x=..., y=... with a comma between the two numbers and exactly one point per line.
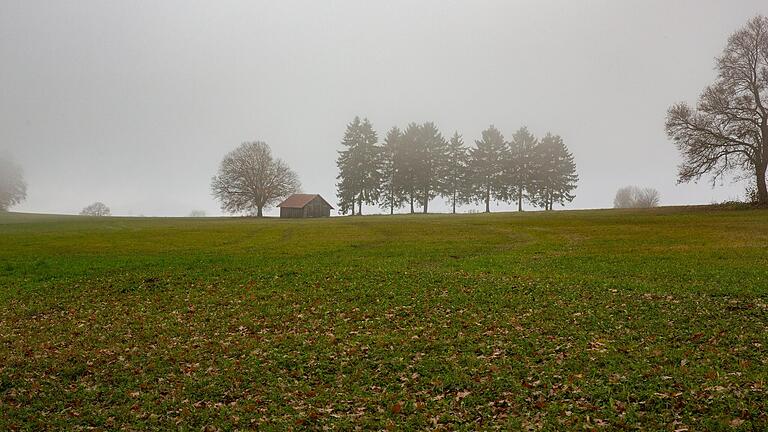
x=304, y=206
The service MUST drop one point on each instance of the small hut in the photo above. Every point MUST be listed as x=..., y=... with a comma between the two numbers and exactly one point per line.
x=304, y=206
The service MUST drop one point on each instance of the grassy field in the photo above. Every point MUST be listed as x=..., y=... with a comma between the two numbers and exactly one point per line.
x=652, y=320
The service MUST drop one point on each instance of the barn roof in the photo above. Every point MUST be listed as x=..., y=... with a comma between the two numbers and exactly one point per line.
x=300, y=200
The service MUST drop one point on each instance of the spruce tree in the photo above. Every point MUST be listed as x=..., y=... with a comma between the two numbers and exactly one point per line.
x=556, y=176
x=346, y=162
x=359, y=171
x=408, y=174
x=392, y=196
x=521, y=166
x=429, y=161
x=486, y=164
x=455, y=171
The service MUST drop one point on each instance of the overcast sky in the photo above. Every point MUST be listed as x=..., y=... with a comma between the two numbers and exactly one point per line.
x=135, y=103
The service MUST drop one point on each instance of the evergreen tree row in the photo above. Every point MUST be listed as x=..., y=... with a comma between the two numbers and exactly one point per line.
x=413, y=166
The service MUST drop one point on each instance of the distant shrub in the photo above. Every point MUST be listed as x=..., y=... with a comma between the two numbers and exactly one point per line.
x=735, y=205
x=635, y=197
x=13, y=189
x=96, y=209
x=750, y=194
x=197, y=213
x=750, y=201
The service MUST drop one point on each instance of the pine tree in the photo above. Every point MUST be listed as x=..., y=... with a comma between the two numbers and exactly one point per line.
x=556, y=173
x=359, y=171
x=521, y=166
x=455, y=171
x=408, y=174
x=429, y=161
x=486, y=163
x=392, y=196
x=346, y=163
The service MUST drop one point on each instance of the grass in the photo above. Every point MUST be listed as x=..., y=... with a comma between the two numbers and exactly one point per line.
x=652, y=320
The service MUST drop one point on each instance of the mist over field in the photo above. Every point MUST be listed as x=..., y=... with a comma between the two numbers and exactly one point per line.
x=135, y=104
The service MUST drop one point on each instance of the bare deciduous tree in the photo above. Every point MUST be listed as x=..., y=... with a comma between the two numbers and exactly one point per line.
x=647, y=198
x=635, y=197
x=13, y=189
x=250, y=179
x=728, y=129
x=96, y=209
x=625, y=197
x=197, y=213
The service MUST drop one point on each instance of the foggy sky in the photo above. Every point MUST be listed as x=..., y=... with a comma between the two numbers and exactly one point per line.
x=135, y=103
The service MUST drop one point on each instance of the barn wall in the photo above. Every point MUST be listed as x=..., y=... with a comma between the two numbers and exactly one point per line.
x=315, y=208
x=291, y=212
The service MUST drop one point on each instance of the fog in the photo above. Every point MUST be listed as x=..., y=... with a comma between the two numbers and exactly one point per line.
x=135, y=103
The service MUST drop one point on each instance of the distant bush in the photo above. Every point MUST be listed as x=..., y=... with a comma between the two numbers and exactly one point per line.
x=751, y=200
x=96, y=209
x=735, y=205
x=751, y=195
x=635, y=197
x=197, y=213
x=13, y=189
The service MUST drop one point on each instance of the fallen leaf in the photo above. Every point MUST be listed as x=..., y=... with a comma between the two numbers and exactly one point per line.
x=736, y=422
x=397, y=408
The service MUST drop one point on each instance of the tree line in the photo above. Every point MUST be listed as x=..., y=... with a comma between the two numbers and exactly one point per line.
x=413, y=166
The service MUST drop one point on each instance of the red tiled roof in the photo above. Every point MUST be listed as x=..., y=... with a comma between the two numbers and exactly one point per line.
x=300, y=200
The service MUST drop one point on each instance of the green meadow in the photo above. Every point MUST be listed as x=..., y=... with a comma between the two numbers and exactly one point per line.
x=568, y=320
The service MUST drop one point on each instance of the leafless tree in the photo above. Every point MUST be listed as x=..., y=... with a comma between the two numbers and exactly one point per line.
x=635, y=197
x=96, y=209
x=250, y=179
x=197, y=213
x=647, y=198
x=13, y=189
x=728, y=129
x=625, y=197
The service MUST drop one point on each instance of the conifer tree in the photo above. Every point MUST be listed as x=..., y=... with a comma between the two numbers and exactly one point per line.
x=392, y=168
x=408, y=176
x=486, y=164
x=455, y=171
x=429, y=162
x=556, y=176
x=521, y=166
x=346, y=163
x=359, y=171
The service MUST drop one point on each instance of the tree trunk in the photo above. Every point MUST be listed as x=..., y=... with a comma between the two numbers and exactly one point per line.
x=353, y=206
x=426, y=203
x=360, y=206
x=520, y=199
x=412, y=203
x=454, y=201
x=762, y=191
x=488, y=200
x=259, y=212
